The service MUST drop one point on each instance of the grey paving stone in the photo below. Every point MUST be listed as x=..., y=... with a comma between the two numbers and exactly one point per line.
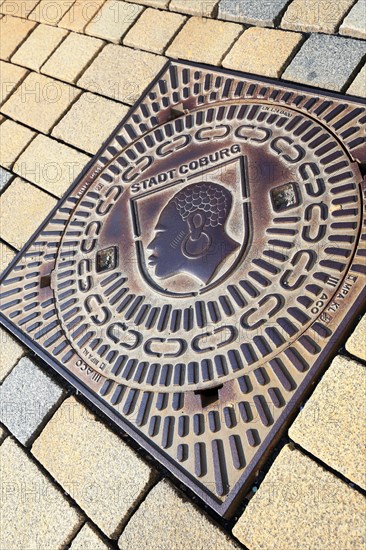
x=28, y=397
x=5, y=177
x=326, y=61
x=262, y=13
x=355, y=22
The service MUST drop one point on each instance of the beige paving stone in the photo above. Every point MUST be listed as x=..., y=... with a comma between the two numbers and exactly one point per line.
x=90, y=121
x=121, y=73
x=14, y=138
x=201, y=8
x=101, y=473
x=10, y=353
x=113, y=20
x=13, y=32
x=50, y=164
x=356, y=344
x=166, y=520
x=88, y=539
x=23, y=207
x=6, y=256
x=35, y=514
x=3, y=434
x=80, y=14
x=332, y=425
x=11, y=76
x=154, y=30
x=355, y=22
x=40, y=101
x=38, y=46
x=204, y=40
x=19, y=8
x=358, y=86
x=301, y=506
x=50, y=11
x=250, y=51
x=73, y=56
x=315, y=15
x=153, y=3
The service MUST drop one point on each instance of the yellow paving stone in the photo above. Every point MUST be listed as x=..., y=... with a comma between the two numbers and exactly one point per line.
x=11, y=76
x=204, y=40
x=70, y=60
x=38, y=46
x=315, y=15
x=14, y=138
x=301, y=506
x=154, y=30
x=19, y=8
x=250, y=51
x=13, y=32
x=10, y=353
x=88, y=539
x=113, y=20
x=332, y=426
x=90, y=121
x=201, y=8
x=121, y=73
x=80, y=14
x=23, y=207
x=153, y=3
x=356, y=344
x=34, y=513
x=50, y=164
x=167, y=520
x=50, y=11
x=40, y=101
x=101, y=473
x=6, y=256
x=358, y=86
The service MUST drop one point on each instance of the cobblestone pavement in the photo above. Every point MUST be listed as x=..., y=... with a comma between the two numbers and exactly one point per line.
x=69, y=71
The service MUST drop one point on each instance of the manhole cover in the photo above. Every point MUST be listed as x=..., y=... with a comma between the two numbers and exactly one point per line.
x=196, y=278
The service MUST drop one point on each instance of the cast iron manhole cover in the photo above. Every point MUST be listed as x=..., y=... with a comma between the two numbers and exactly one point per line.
x=197, y=276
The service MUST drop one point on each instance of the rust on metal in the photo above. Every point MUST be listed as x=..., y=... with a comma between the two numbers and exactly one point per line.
x=198, y=275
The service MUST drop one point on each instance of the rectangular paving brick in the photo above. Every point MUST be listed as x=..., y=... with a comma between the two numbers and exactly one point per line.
x=80, y=14
x=250, y=51
x=326, y=61
x=301, y=506
x=201, y=8
x=88, y=539
x=88, y=132
x=355, y=22
x=11, y=76
x=14, y=139
x=19, y=8
x=358, y=86
x=262, y=13
x=204, y=40
x=35, y=514
x=70, y=60
x=113, y=20
x=23, y=207
x=356, y=343
x=154, y=3
x=154, y=30
x=167, y=520
x=10, y=350
x=331, y=426
x=13, y=32
x=28, y=399
x=6, y=255
x=101, y=473
x=315, y=15
x=50, y=12
x=121, y=73
x=38, y=46
x=40, y=101
x=50, y=164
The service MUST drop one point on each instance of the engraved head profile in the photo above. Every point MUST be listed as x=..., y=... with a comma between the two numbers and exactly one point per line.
x=190, y=235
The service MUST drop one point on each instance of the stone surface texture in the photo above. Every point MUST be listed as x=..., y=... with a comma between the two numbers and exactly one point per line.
x=113, y=20
x=11, y=76
x=80, y=14
x=315, y=15
x=50, y=12
x=205, y=8
x=180, y=524
x=5, y=176
x=326, y=61
x=301, y=506
x=153, y=3
x=204, y=40
x=358, y=86
x=90, y=121
x=356, y=344
x=10, y=350
x=38, y=46
x=28, y=398
x=355, y=22
x=3, y=434
x=263, y=13
x=6, y=256
x=14, y=139
x=109, y=485
x=154, y=30
x=19, y=8
x=250, y=51
x=13, y=32
x=34, y=514
x=88, y=539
